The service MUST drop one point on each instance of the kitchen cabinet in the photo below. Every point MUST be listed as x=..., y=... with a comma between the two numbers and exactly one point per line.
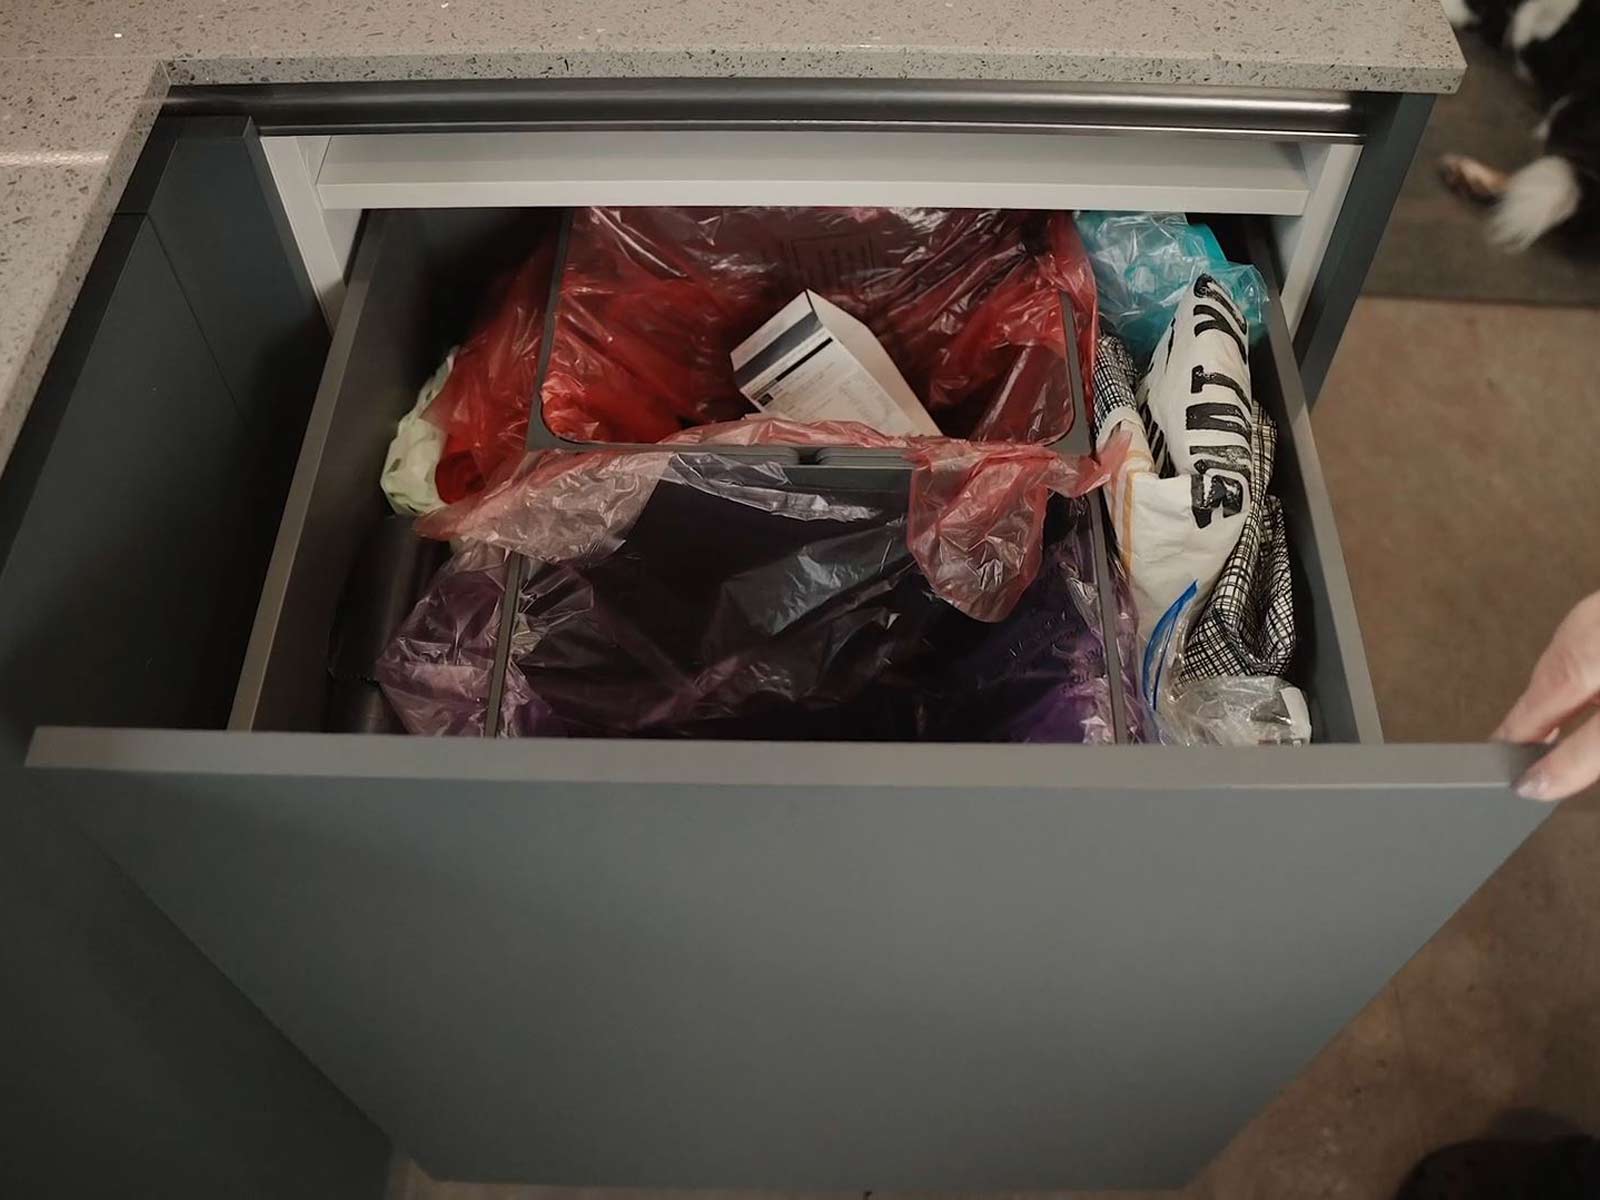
x=130, y=555
x=629, y=963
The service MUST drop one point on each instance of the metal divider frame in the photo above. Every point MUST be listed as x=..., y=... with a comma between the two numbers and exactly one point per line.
x=826, y=461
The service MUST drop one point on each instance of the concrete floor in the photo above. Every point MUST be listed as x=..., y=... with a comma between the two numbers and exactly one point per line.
x=1460, y=444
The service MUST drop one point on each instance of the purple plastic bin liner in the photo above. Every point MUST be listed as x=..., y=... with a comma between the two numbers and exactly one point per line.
x=720, y=619
x=436, y=669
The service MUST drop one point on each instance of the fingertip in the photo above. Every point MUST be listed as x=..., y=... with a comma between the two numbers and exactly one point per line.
x=1514, y=732
x=1513, y=726
x=1535, y=785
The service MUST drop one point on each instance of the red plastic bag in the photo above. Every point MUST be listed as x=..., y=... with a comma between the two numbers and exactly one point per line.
x=974, y=525
x=653, y=301
x=483, y=406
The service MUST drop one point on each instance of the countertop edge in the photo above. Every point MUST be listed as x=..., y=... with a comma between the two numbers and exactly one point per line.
x=20, y=385
x=29, y=366
x=1439, y=77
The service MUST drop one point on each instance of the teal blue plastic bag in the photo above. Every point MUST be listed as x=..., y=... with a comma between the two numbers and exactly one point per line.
x=1143, y=262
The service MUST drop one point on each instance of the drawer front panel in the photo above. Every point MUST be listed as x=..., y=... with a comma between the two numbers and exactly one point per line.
x=985, y=971
x=840, y=966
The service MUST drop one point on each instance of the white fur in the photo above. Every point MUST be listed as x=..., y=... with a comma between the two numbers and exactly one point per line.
x=1542, y=129
x=1458, y=14
x=1540, y=196
x=1538, y=20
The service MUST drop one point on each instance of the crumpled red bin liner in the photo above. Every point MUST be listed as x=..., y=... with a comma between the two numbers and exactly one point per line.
x=653, y=300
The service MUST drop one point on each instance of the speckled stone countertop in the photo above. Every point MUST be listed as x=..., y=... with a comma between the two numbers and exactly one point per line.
x=81, y=80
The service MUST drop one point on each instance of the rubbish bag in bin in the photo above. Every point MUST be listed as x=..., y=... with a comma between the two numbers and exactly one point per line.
x=483, y=405
x=853, y=573
x=654, y=300
x=436, y=669
x=776, y=626
x=976, y=510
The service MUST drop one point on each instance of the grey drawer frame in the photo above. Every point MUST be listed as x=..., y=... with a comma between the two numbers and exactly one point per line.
x=796, y=966
x=386, y=344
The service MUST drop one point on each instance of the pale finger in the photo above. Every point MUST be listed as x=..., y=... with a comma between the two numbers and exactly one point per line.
x=1565, y=679
x=1573, y=765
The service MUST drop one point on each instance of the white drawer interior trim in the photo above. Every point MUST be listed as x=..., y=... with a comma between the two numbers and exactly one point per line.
x=325, y=236
x=1303, y=241
x=977, y=170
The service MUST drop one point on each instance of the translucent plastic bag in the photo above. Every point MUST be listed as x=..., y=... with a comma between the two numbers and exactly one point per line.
x=806, y=619
x=1144, y=262
x=436, y=669
x=653, y=301
x=411, y=465
x=1182, y=708
x=1236, y=710
x=483, y=405
x=976, y=510
x=1195, y=529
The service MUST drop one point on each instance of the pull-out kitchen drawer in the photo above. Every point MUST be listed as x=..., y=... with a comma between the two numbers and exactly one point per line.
x=779, y=965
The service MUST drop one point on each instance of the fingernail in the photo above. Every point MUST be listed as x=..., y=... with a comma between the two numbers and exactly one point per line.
x=1534, y=786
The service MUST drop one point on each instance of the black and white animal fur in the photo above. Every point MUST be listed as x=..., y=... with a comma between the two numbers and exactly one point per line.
x=1556, y=45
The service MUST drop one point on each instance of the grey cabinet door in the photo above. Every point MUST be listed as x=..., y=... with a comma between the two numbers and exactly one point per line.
x=106, y=607
x=798, y=966
x=131, y=1065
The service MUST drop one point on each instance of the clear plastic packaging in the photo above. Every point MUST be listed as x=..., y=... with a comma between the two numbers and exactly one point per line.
x=1202, y=541
x=414, y=453
x=1236, y=710
x=1144, y=262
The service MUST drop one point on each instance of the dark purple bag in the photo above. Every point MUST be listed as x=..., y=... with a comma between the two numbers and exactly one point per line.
x=723, y=615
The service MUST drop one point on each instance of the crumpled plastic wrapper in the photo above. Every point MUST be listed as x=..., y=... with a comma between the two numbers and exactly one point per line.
x=973, y=522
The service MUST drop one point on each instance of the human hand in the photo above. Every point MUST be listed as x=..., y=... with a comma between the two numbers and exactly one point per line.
x=1565, y=682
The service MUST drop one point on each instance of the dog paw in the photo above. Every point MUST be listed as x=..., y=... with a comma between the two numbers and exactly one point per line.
x=1470, y=178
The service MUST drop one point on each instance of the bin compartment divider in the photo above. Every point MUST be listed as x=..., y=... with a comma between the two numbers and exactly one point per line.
x=1079, y=440
x=516, y=568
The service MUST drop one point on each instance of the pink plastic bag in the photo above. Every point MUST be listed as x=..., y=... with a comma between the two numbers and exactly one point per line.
x=974, y=525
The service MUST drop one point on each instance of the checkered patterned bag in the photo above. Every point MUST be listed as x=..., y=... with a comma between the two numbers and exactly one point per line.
x=1247, y=627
